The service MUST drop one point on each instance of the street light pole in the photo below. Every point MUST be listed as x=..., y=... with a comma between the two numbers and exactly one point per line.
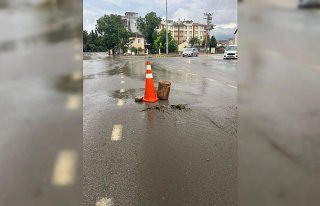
x=167, y=43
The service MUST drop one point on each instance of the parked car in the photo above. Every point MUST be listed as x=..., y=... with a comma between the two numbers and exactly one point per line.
x=231, y=52
x=190, y=52
x=309, y=3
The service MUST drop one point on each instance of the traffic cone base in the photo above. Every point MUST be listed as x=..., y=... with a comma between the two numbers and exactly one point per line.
x=151, y=99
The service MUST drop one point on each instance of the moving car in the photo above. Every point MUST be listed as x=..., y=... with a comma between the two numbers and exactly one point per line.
x=190, y=52
x=231, y=52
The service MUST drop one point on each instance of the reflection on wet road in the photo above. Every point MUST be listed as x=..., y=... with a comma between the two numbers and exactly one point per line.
x=41, y=88
x=152, y=157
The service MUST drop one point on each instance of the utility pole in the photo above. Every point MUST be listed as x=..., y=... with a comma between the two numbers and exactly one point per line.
x=167, y=43
x=210, y=26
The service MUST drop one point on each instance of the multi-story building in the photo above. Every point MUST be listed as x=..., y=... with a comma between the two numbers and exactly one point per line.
x=184, y=30
x=131, y=21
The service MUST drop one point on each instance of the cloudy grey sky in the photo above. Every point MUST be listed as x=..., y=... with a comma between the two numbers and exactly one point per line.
x=224, y=12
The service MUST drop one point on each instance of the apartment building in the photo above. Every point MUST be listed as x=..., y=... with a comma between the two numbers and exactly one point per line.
x=184, y=30
x=131, y=21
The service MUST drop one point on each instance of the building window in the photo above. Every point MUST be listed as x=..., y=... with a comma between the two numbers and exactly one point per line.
x=190, y=33
x=139, y=41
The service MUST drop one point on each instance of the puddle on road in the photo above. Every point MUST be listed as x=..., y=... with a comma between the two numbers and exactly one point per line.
x=127, y=93
x=69, y=83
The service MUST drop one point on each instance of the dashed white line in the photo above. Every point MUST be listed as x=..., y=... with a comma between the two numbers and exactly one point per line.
x=120, y=102
x=73, y=102
x=76, y=76
x=232, y=86
x=104, y=202
x=122, y=90
x=77, y=57
x=122, y=82
x=213, y=80
x=116, y=132
x=64, y=172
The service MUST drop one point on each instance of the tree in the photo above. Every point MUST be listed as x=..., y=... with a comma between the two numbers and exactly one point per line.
x=85, y=40
x=212, y=42
x=160, y=42
x=147, y=26
x=194, y=41
x=112, y=30
x=92, y=47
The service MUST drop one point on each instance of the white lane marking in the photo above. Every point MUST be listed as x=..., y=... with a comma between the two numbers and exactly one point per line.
x=77, y=57
x=120, y=102
x=76, y=76
x=73, y=102
x=104, y=202
x=116, y=132
x=232, y=86
x=122, y=90
x=122, y=82
x=122, y=77
x=213, y=80
x=64, y=172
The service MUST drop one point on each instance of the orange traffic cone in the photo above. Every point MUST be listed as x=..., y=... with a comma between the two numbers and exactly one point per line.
x=149, y=92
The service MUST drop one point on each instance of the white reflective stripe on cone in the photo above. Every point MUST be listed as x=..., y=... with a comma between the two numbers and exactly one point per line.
x=148, y=67
x=148, y=76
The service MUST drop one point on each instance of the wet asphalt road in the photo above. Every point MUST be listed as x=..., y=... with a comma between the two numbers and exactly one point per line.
x=279, y=102
x=40, y=88
x=178, y=157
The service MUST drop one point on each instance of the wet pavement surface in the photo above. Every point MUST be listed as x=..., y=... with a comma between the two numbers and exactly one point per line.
x=41, y=88
x=279, y=100
x=139, y=156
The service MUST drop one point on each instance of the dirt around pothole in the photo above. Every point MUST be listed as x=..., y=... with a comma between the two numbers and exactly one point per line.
x=167, y=108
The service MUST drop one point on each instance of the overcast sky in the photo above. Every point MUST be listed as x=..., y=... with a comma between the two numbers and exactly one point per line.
x=224, y=12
